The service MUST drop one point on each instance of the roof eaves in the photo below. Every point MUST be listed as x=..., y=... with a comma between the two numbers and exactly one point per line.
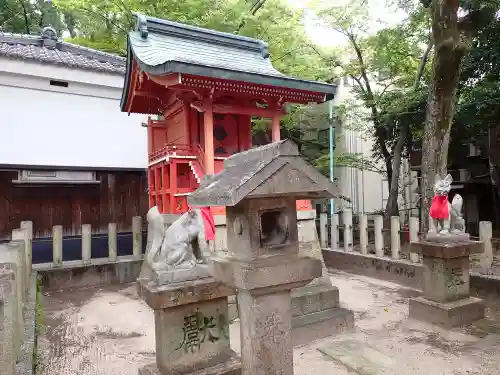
x=126, y=84
x=279, y=81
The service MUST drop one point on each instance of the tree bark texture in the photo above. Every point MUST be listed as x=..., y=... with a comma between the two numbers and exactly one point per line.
x=448, y=54
x=391, y=208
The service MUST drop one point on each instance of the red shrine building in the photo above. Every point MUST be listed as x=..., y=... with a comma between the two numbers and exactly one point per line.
x=204, y=87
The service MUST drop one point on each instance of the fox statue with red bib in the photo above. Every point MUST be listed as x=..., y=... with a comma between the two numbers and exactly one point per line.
x=445, y=218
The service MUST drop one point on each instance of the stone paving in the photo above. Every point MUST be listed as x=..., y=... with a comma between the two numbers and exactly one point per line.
x=110, y=331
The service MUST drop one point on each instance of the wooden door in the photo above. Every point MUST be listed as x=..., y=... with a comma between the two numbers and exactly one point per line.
x=225, y=134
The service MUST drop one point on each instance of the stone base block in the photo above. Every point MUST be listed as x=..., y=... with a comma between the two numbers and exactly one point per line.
x=315, y=313
x=314, y=298
x=317, y=325
x=447, y=314
x=452, y=237
x=230, y=367
x=165, y=277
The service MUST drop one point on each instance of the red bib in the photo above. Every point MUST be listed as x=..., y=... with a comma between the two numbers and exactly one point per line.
x=208, y=222
x=439, y=207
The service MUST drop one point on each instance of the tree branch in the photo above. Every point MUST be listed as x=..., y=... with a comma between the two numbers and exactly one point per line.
x=360, y=84
x=26, y=21
x=253, y=10
x=423, y=61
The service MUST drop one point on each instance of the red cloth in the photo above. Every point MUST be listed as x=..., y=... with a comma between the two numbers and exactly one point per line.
x=439, y=207
x=208, y=222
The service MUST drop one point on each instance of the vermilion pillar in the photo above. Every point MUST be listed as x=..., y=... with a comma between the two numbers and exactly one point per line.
x=209, y=136
x=275, y=127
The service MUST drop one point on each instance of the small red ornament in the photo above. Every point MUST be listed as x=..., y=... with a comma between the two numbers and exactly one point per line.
x=208, y=222
x=439, y=207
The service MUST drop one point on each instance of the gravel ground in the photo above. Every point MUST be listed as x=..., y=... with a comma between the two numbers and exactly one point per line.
x=110, y=331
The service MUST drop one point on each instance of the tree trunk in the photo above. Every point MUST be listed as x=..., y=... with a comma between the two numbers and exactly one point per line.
x=441, y=101
x=391, y=209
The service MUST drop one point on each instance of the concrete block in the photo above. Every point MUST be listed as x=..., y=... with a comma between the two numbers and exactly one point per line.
x=358, y=357
x=414, y=227
x=137, y=237
x=84, y=276
x=86, y=243
x=447, y=314
x=12, y=302
x=24, y=365
x=191, y=327
x=22, y=236
x=321, y=324
x=57, y=237
x=395, y=237
x=363, y=233
x=112, y=242
x=8, y=316
x=28, y=227
x=232, y=366
x=378, y=221
x=446, y=280
x=335, y=232
x=348, y=236
x=192, y=337
x=313, y=298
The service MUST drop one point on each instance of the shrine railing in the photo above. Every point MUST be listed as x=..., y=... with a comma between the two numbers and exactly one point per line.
x=201, y=156
x=172, y=150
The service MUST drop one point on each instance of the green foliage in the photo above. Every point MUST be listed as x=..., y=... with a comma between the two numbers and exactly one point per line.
x=384, y=67
x=479, y=87
x=353, y=160
x=28, y=17
x=104, y=25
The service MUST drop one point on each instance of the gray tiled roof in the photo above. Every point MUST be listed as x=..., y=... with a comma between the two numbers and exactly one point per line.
x=35, y=48
x=161, y=47
x=158, y=49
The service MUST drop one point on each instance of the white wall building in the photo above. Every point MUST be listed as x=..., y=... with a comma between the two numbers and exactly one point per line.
x=367, y=190
x=60, y=106
x=68, y=155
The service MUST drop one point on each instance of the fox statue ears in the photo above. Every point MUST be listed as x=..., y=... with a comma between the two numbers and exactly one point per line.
x=448, y=179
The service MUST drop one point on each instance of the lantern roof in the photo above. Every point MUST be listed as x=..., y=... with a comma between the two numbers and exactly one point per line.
x=273, y=170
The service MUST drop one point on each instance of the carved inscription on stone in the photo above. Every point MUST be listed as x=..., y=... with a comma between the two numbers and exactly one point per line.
x=199, y=328
x=272, y=331
x=456, y=277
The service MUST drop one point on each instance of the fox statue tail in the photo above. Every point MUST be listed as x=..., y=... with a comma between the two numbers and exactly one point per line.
x=456, y=204
x=156, y=232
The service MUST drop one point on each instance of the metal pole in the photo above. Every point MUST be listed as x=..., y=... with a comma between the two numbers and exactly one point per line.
x=332, y=148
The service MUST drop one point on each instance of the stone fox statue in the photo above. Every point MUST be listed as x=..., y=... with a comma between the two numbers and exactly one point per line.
x=443, y=216
x=182, y=245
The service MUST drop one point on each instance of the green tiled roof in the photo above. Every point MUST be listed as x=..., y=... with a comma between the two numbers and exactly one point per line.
x=162, y=47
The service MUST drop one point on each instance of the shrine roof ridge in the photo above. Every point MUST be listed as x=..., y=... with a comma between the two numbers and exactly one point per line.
x=167, y=27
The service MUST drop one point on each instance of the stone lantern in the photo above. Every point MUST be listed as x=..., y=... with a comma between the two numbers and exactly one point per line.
x=259, y=189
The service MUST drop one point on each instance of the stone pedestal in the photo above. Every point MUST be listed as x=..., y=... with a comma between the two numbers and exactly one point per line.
x=191, y=328
x=265, y=307
x=315, y=307
x=446, y=297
